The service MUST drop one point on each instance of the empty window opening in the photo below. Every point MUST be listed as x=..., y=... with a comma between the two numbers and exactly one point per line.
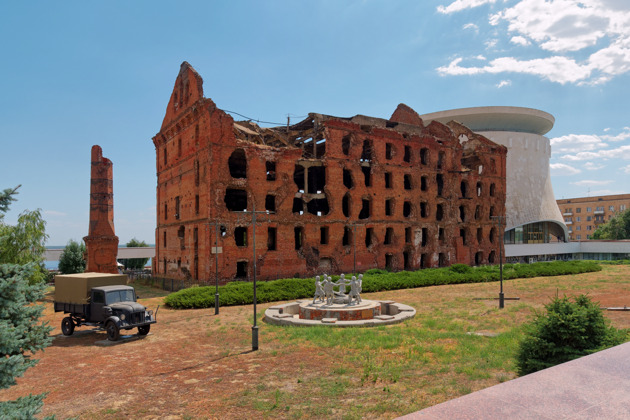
x=235, y=200
x=493, y=234
x=165, y=211
x=197, y=135
x=492, y=188
x=271, y=239
x=479, y=235
x=271, y=171
x=320, y=148
x=365, y=209
x=298, y=234
x=345, y=205
x=425, y=237
x=223, y=231
x=366, y=153
x=464, y=188
x=462, y=213
x=407, y=235
x=241, y=269
x=298, y=177
x=345, y=145
x=407, y=155
x=407, y=182
x=406, y=209
x=369, y=237
x=197, y=204
x=406, y=260
x=240, y=236
x=165, y=156
x=367, y=175
x=441, y=235
x=179, y=147
x=164, y=239
x=441, y=160
x=388, y=151
x=347, y=179
x=439, y=212
x=389, y=207
x=270, y=202
x=323, y=235
x=439, y=179
x=389, y=262
x=316, y=179
x=442, y=259
x=423, y=260
x=196, y=240
x=164, y=265
x=196, y=170
x=181, y=234
x=238, y=164
x=491, y=257
x=462, y=234
x=478, y=258
x=308, y=148
x=177, y=203
x=424, y=156
x=388, y=179
x=479, y=189
x=424, y=183
x=491, y=212
x=424, y=212
x=298, y=205
x=318, y=207
x=389, y=236
x=477, y=212
x=347, y=236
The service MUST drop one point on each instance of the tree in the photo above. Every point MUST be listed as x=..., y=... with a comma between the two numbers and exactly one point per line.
x=21, y=333
x=71, y=260
x=135, y=263
x=617, y=228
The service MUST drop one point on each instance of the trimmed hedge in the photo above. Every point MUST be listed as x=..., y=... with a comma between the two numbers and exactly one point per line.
x=375, y=280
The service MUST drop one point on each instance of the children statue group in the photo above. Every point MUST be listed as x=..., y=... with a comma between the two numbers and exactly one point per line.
x=324, y=290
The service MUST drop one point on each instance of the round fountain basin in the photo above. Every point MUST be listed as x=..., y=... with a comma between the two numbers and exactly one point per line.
x=367, y=309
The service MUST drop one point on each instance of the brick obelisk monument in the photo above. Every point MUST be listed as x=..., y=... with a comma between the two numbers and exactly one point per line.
x=101, y=243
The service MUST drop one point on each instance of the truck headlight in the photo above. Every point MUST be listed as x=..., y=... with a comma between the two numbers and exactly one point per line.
x=122, y=317
x=150, y=312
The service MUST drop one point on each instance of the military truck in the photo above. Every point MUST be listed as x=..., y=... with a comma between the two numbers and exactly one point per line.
x=102, y=300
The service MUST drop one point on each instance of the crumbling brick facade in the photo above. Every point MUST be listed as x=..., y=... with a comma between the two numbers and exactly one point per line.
x=339, y=193
x=101, y=243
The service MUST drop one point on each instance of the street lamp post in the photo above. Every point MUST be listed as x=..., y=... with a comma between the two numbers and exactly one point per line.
x=500, y=220
x=216, y=267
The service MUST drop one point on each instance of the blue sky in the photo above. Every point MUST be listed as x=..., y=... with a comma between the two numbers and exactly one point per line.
x=75, y=74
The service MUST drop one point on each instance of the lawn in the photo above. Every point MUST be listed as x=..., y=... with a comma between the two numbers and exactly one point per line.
x=195, y=364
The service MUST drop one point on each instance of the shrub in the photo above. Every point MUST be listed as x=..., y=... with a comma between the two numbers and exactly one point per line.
x=569, y=329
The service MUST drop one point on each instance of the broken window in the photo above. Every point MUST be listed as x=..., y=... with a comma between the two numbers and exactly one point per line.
x=179, y=147
x=491, y=212
x=388, y=151
x=477, y=212
x=389, y=262
x=389, y=236
x=463, y=186
x=345, y=205
x=298, y=205
x=271, y=238
x=308, y=148
x=407, y=235
x=347, y=236
x=406, y=209
x=407, y=155
x=478, y=258
x=442, y=259
x=365, y=209
x=388, y=179
x=462, y=234
x=407, y=181
x=389, y=207
x=425, y=237
x=367, y=175
x=241, y=269
x=406, y=260
x=369, y=237
x=439, y=178
x=423, y=260
x=196, y=170
x=424, y=183
x=271, y=170
x=462, y=213
x=235, y=199
x=345, y=144
x=323, y=235
x=165, y=211
x=298, y=177
x=366, y=153
x=492, y=190
x=165, y=156
x=441, y=159
x=491, y=257
x=424, y=156
x=320, y=148
x=479, y=235
x=181, y=234
x=424, y=210
x=439, y=212
x=177, y=208
x=197, y=204
x=493, y=233
x=478, y=189
x=347, y=178
x=240, y=236
x=318, y=207
x=164, y=239
x=441, y=235
x=238, y=164
x=270, y=202
x=298, y=233
x=316, y=179
x=197, y=135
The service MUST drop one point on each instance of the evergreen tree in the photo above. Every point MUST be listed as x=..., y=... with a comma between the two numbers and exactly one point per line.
x=135, y=263
x=21, y=333
x=71, y=260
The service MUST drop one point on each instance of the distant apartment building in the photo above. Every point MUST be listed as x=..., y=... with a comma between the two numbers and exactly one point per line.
x=585, y=214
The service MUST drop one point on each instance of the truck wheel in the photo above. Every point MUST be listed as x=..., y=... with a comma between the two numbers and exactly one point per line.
x=67, y=326
x=113, y=333
x=144, y=330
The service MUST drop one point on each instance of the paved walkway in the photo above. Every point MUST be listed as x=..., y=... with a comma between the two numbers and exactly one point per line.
x=592, y=387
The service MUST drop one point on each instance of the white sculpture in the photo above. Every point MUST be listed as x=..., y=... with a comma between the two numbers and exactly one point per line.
x=319, y=290
x=324, y=289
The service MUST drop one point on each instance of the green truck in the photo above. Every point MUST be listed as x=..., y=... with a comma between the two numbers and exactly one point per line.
x=101, y=300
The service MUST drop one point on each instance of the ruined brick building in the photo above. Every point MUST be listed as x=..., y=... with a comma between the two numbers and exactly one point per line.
x=338, y=193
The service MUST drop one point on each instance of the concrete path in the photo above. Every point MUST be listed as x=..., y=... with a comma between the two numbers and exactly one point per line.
x=592, y=387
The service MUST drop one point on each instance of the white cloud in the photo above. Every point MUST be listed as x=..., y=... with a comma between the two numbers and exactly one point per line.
x=619, y=137
x=576, y=143
x=591, y=183
x=626, y=169
x=471, y=26
x=459, y=5
x=622, y=152
x=504, y=83
x=561, y=169
x=520, y=40
x=590, y=166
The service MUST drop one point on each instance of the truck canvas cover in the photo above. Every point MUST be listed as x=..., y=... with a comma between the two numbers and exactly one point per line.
x=75, y=288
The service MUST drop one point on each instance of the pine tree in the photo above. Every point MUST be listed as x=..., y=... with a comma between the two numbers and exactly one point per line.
x=71, y=260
